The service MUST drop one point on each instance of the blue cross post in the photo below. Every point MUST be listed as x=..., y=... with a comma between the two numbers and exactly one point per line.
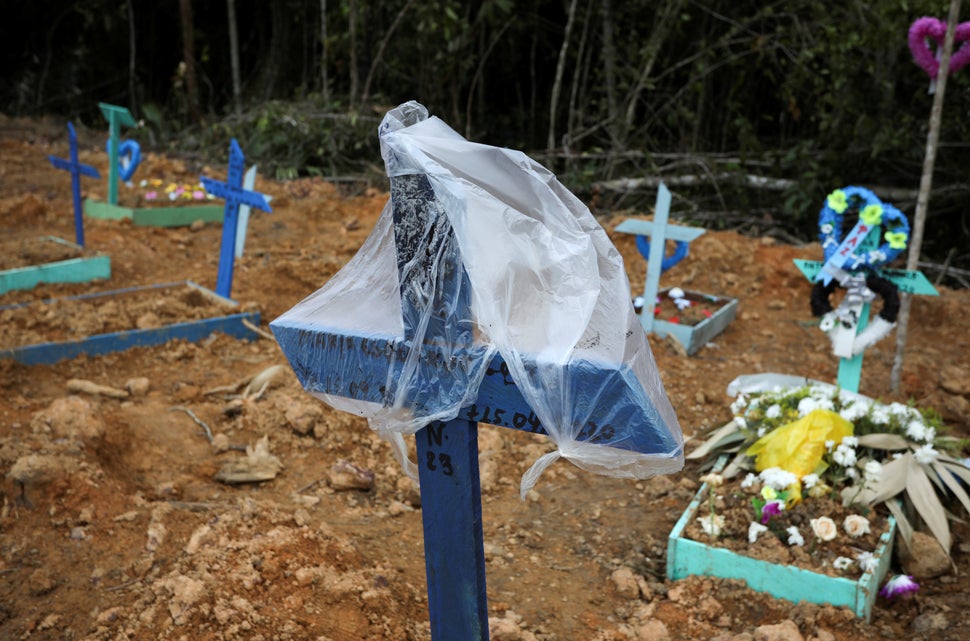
x=77, y=170
x=657, y=261
x=234, y=195
x=910, y=282
x=360, y=365
x=116, y=117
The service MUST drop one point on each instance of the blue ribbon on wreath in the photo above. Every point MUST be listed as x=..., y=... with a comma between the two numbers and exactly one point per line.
x=840, y=253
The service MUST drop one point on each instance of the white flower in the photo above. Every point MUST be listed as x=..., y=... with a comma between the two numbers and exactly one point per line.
x=739, y=404
x=827, y=228
x=713, y=479
x=777, y=478
x=850, y=441
x=829, y=445
x=930, y=435
x=795, y=537
x=844, y=455
x=749, y=480
x=899, y=410
x=916, y=430
x=773, y=412
x=852, y=473
x=880, y=414
x=842, y=563
x=855, y=411
x=762, y=431
x=740, y=422
x=754, y=530
x=867, y=561
x=925, y=454
x=807, y=405
x=824, y=528
x=712, y=525
x=872, y=471
x=856, y=525
x=809, y=481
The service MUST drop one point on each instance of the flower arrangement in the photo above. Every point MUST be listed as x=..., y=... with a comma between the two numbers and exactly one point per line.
x=818, y=442
x=872, y=212
x=156, y=190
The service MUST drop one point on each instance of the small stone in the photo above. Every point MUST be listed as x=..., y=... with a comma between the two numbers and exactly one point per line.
x=138, y=386
x=925, y=558
x=822, y=635
x=626, y=583
x=148, y=320
x=197, y=225
x=784, y=631
x=397, y=508
x=652, y=630
x=929, y=622
x=303, y=417
x=344, y=475
x=220, y=443
x=955, y=380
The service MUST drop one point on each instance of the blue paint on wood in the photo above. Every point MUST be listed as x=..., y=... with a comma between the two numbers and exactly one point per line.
x=235, y=195
x=117, y=118
x=681, y=249
x=77, y=170
x=451, y=511
x=129, y=157
x=47, y=353
x=907, y=282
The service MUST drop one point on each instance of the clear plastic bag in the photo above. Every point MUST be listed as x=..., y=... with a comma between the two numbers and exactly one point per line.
x=496, y=256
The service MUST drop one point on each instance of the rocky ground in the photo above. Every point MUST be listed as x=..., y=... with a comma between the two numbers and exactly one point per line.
x=115, y=525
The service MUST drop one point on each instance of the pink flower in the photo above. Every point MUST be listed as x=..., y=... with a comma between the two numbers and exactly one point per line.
x=198, y=195
x=899, y=585
x=772, y=508
x=151, y=195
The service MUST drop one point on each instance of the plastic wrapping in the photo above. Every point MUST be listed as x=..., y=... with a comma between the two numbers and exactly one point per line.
x=494, y=258
x=799, y=446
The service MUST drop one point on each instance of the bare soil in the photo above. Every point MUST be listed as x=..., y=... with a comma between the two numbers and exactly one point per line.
x=32, y=252
x=112, y=524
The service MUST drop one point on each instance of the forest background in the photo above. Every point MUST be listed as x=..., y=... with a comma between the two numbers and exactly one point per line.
x=751, y=111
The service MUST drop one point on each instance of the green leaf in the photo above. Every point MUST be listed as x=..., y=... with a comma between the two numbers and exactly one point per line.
x=927, y=503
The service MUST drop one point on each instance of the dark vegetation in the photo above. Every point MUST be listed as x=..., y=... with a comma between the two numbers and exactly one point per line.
x=751, y=111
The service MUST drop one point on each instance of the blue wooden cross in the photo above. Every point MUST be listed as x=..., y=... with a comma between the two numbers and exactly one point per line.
x=234, y=195
x=77, y=170
x=657, y=261
x=361, y=365
x=116, y=117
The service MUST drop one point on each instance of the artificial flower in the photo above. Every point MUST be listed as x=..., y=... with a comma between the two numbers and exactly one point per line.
x=844, y=455
x=899, y=585
x=712, y=524
x=155, y=182
x=871, y=215
x=916, y=430
x=151, y=195
x=872, y=471
x=795, y=537
x=754, y=530
x=771, y=509
x=925, y=454
x=819, y=489
x=851, y=473
x=896, y=239
x=713, y=479
x=778, y=479
x=739, y=404
x=850, y=441
x=798, y=447
x=749, y=480
x=774, y=411
x=198, y=195
x=824, y=528
x=769, y=493
x=856, y=525
x=867, y=561
x=837, y=201
x=143, y=183
x=809, y=481
x=842, y=563
x=169, y=188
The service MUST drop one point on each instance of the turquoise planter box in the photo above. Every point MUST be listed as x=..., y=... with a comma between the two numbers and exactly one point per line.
x=74, y=270
x=694, y=337
x=155, y=216
x=237, y=325
x=686, y=557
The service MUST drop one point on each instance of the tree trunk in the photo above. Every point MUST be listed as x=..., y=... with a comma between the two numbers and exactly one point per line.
x=188, y=58
x=352, y=30
x=132, y=84
x=365, y=94
x=324, y=78
x=560, y=69
x=609, y=75
x=234, y=57
x=925, y=187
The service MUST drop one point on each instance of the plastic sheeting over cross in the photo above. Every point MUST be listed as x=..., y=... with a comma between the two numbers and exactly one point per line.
x=483, y=266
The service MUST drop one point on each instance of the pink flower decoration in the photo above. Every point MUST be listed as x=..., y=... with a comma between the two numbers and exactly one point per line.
x=935, y=30
x=198, y=195
x=899, y=585
x=769, y=510
x=151, y=195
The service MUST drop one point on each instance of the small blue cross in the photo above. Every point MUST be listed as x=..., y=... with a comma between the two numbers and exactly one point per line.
x=77, y=170
x=234, y=195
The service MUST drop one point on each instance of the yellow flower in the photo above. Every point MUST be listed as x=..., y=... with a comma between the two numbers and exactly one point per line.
x=170, y=188
x=837, y=201
x=155, y=182
x=768, y=493
x=897, y=240
x=871, y=215
x=798, y=447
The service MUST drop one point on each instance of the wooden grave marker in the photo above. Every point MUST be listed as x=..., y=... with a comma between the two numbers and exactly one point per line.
x=358, y=365
x=116, y=117
x=660, y=231
x=73, y=165
x=235, y=194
